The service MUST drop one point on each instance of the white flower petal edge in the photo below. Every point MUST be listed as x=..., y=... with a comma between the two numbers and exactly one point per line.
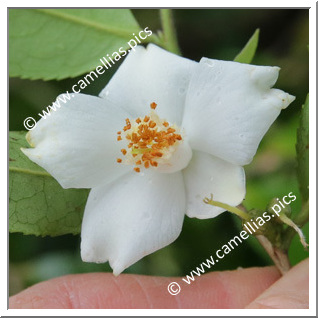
x=151, y=75
x=132, y=217
x=208, y=175
x=77, y=144
x=230, y=106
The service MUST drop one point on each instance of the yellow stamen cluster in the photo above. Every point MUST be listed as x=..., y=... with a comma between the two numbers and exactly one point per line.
x=148, y=139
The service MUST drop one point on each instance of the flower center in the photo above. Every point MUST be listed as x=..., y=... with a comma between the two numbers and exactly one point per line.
x=151, y=143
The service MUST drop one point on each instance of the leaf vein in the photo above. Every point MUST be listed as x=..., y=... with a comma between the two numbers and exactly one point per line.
x=28, y=171
x=100, y=27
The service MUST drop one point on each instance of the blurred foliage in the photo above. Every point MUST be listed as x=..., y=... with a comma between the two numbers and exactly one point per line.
x=302, y=149
x=41, y=40
x=38, y=204
x=247, y=53
x=214, y=33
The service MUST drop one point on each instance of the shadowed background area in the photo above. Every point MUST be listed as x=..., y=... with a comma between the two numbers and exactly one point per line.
x=213, y=33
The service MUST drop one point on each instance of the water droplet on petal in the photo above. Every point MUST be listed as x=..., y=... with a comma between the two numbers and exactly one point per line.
x=181, y=90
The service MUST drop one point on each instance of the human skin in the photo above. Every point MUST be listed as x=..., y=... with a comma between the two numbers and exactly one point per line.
x=242, y=288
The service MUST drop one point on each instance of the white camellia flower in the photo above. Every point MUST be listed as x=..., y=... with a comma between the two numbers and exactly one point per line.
x=164, y=133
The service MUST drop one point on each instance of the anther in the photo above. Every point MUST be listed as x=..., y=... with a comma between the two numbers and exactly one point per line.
x=152, y=124
x=149, y=140
x=154, y=163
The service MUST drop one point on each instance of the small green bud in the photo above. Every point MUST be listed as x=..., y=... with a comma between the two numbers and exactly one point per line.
x=262, y=223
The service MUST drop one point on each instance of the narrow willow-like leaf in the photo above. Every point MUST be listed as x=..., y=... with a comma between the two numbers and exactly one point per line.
x=302, y=149
x=37, y=203
x=248, y=52
x=59, y=43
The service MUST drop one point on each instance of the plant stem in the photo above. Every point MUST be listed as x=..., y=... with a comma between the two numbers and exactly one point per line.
x=279, y=256
x=169, y=32
x=238, y=212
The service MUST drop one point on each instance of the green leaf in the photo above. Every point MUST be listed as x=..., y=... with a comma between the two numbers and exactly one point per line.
x=248, y=52
x=37, y=203
x=59, y=43
x=302, y=150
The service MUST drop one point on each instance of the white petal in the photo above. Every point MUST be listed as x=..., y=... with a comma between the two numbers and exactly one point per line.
x=78, y=144
x=179, y=159
x=229, y=108
x=151, y=75
x=208, y=175
x=132, y=217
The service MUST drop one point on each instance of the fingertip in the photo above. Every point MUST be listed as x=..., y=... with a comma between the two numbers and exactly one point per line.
x=229, y=289
x=289, y=292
